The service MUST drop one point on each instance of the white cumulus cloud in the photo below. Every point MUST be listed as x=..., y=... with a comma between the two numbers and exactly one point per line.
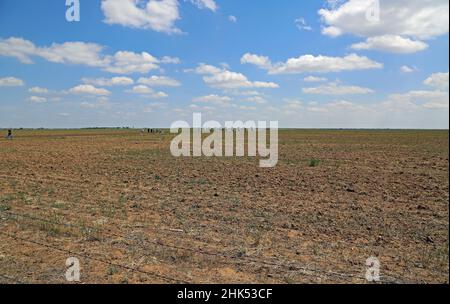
x=410, y=18
x=145, y=90
x=391, y=44
x=414, y=100
x=256, y=99
x=109, y=82
x=399, y=26
x=335, y=88
x=262, y=62
x=222, y=78
x=438, y=80
x=38, y=99
x=11, y=82
x=87, y=89
x=232, y=19
x=301, y=24
x=208, y=4
x=159, y=81
x=314, y=79
x=83, y=53
x=170, y=60
x=407, y=69
x=312, y=64
x=38, y=90
x=157, y=15
x=213, y=99
x=125, y=62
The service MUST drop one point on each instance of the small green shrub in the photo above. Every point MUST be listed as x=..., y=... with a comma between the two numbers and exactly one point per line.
x=314, y=162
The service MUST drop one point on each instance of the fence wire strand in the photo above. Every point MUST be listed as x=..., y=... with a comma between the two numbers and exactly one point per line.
x=245, y=260
x=163, y=277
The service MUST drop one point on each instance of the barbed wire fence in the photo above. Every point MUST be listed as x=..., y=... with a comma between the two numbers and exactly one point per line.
x=96, y=259
x=307, y=271
x=157, y=229
x=12, y=279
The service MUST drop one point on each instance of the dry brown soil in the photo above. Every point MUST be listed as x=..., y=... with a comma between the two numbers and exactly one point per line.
x=132, y=213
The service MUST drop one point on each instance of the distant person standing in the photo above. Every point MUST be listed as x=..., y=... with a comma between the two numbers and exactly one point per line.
x=9, y=136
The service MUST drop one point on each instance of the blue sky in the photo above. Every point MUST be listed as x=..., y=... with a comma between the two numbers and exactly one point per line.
x=318, y=64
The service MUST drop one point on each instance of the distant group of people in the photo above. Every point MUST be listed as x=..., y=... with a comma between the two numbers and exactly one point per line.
x=151, y=131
